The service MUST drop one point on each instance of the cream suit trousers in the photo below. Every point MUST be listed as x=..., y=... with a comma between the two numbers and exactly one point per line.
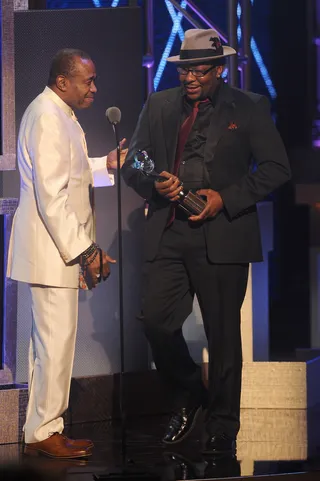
x=51, y=354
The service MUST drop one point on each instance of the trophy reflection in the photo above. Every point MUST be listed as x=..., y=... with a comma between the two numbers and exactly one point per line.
x=189, y=202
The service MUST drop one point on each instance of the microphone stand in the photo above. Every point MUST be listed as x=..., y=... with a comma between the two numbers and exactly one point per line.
x=125, y=473
x=121, y=318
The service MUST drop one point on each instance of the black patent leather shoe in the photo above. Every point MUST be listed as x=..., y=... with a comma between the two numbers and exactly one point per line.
x=220, y=444
x=181, y=424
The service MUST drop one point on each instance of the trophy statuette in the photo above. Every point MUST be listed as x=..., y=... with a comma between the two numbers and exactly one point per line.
x=191, y=203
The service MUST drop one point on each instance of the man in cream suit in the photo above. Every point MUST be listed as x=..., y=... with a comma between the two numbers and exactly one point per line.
x=52, y=236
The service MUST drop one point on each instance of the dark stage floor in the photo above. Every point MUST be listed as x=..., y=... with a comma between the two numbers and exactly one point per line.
x=144, y=452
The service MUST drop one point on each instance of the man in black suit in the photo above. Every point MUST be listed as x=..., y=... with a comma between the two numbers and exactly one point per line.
x=206, y=254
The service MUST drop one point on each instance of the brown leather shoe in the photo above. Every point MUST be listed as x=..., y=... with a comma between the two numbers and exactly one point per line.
x=81, y=443
x=57, y=446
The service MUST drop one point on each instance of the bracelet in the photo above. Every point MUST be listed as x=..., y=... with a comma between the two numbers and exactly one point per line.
x=89, y=255
x=88, y=262
x=88, y=252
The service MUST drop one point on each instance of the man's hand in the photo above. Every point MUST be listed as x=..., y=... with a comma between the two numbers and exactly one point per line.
x=214, y=205
x=169, y=188
x=112, y=156
x=93, y=269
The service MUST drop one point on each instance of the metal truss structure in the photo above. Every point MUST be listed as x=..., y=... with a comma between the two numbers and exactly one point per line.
x=239, y=36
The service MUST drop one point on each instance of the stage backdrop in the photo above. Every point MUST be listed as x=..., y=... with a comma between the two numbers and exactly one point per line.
x=113, y=38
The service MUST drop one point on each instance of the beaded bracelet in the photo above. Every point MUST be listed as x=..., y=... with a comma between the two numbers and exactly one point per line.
x=89, y=255
x=88, y=262
x=89, y=251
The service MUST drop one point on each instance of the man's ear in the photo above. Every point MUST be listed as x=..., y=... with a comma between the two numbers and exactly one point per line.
x=62, y=83
x=219, y=70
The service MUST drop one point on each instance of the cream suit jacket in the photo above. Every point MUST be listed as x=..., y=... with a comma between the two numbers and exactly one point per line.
x=54, y=221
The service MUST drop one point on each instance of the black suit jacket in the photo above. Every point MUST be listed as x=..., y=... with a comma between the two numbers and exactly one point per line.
x=241, y=129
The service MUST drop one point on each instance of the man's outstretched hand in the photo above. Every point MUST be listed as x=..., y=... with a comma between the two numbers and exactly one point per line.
x=112, y=156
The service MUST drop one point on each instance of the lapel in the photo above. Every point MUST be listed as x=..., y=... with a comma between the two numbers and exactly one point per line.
x=223, y=114
x=171, y=116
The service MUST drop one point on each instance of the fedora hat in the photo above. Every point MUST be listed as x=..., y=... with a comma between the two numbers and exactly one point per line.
x=201, y=45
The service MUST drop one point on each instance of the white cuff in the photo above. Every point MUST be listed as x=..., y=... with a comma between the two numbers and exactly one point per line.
x=101, y=176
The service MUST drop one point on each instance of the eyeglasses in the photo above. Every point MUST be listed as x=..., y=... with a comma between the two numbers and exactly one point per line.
x=195, y=72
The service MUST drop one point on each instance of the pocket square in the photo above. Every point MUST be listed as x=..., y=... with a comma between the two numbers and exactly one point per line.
x=232, y=126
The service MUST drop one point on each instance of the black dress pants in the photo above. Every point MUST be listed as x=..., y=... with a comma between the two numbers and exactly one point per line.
x=180, y=270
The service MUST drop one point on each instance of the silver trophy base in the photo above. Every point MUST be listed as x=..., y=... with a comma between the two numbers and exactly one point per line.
x=191, y=204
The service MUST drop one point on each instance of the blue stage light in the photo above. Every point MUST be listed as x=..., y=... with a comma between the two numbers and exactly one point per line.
x=168, y=47
x=174, y=16
x=263, y=69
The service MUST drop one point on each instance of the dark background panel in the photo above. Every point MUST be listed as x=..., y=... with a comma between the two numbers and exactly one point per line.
x=113, y=39
x=293, y=75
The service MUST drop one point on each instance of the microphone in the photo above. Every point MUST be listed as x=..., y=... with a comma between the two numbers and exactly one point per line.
x=113, y=114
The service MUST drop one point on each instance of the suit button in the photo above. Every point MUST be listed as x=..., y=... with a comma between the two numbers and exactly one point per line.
x=183, y=162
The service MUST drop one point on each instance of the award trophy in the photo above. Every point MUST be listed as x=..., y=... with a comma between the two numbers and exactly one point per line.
x=190, y=202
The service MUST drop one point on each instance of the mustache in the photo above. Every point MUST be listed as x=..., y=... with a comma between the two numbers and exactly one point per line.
x=190, y=82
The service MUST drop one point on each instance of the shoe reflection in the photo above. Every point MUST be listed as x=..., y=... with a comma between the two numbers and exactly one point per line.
x=57, y=469
x=182, y=466
x=223, y=466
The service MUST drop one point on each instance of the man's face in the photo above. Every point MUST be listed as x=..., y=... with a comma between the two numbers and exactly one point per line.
x=80, y=86
x=199, y=80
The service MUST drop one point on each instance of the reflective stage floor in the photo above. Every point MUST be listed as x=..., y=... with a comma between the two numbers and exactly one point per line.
x=145, y=454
